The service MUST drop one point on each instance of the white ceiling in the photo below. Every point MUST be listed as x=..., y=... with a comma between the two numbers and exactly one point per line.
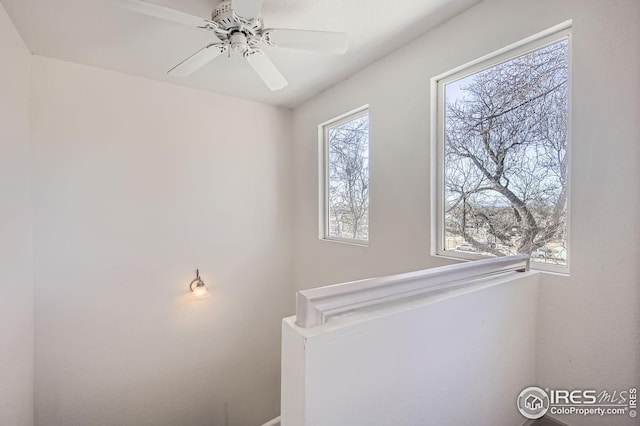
x=98, y=33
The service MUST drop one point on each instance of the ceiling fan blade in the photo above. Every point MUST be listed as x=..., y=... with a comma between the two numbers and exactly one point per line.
x=247, y=8
x=165, y=13
x=266, y=69
x=198, y=60
x=317, y=41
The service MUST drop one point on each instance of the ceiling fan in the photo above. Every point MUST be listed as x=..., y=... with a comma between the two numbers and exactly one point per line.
x=238, y=26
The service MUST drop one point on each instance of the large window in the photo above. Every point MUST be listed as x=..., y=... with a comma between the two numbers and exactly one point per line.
x=345, y=181
x=503, y=135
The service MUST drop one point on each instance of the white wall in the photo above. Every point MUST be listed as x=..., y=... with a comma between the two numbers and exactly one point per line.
x=137, y=184
x=590, y=333
x=16, y=265
x=459, y=357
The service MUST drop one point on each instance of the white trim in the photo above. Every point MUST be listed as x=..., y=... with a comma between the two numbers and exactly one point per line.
x=323, y=175
x=434, y=172
x=322, y=186
x=351, y=241
x=534, y=42
x=316, y=306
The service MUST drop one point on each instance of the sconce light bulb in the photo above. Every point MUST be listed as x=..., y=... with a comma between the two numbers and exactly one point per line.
x=197, y=286
x=200, y=290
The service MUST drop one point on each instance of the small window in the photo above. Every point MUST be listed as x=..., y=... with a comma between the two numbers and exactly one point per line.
x=502, y=145
x=345, y=178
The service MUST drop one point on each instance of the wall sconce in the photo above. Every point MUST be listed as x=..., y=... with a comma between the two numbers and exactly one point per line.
x=197, y=286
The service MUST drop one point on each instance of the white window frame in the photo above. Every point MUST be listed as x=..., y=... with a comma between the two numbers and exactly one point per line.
x=323, y=178
x=537, y=41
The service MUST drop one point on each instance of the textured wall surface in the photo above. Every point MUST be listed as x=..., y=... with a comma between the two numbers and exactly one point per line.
x=16, y=264
x=137, y=184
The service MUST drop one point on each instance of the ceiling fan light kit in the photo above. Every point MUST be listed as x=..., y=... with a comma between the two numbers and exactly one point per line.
x=237, y=33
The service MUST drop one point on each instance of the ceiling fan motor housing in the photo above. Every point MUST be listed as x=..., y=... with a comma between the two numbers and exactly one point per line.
x=225, y=16
x=239, y=33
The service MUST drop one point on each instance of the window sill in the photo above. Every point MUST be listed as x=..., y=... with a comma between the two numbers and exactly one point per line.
x=534, y=266
x=346, y=241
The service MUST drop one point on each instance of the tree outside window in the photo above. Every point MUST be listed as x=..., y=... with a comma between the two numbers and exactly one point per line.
x=505, y=157
x=347, y=178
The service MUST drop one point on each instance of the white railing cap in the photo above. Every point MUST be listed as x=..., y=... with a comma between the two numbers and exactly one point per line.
x=315, y=306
